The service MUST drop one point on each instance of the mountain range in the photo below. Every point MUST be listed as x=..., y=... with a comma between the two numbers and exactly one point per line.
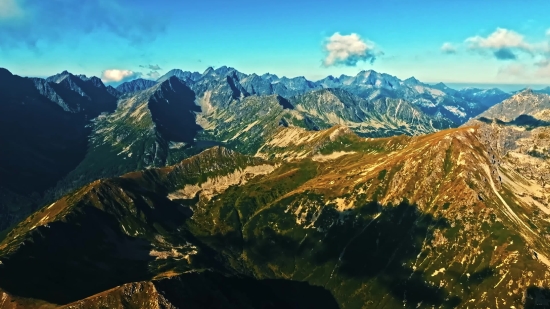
x=114, y=131
x=229, y=190
x=435, y=100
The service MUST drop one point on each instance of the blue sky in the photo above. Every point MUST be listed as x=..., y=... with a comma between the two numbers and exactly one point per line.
x=490, y=42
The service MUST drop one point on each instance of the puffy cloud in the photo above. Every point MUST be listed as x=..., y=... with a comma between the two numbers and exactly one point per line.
x=151, y=67
x=506, y=44
x=503, y=43
x=10, y=9
x=501, y=38
x=348, y=50
x=153, y=75
x=448, y=48
x=117, y=76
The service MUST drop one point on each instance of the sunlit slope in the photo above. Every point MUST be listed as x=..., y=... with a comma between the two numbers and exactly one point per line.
x=418, y=222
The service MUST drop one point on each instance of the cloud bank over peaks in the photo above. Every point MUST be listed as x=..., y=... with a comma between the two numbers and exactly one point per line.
x=118, y=76
x=348, y=50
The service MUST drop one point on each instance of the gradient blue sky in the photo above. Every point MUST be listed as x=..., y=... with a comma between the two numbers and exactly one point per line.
x=287, y=37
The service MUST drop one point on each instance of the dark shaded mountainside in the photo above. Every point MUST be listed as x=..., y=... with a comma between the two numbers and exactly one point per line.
x=43, y=134
x=65, y=131
x=350, y=222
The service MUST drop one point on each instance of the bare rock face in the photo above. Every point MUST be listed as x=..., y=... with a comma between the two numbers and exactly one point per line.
x=135, y=85
x=516, y=133
x=526, y=102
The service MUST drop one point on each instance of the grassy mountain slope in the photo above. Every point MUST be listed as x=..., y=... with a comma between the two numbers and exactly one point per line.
x=406, y=221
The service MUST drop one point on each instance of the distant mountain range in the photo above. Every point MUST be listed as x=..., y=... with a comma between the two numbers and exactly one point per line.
x=435, y=100
x=545, y=90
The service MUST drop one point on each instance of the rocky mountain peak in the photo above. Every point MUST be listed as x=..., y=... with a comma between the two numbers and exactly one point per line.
x=526, y=102
x=527, y=91
x=5, y=73
x=270, y=77
x=367, y=72
x=412, y=81
x=225, y=70
x=58, y=78
x=138, y=84
x=208, y=71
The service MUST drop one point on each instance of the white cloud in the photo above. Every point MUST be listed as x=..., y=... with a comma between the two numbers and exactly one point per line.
x=448, y=48
x=348, y=50
x=115, y=75
x=10, y=9
x=501, y=38
x=503, y=43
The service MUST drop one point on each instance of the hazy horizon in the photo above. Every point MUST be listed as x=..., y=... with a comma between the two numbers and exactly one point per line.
x=503, y=87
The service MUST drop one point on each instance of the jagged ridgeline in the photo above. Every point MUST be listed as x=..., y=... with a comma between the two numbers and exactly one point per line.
x=341, y=222
x=82, y=130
